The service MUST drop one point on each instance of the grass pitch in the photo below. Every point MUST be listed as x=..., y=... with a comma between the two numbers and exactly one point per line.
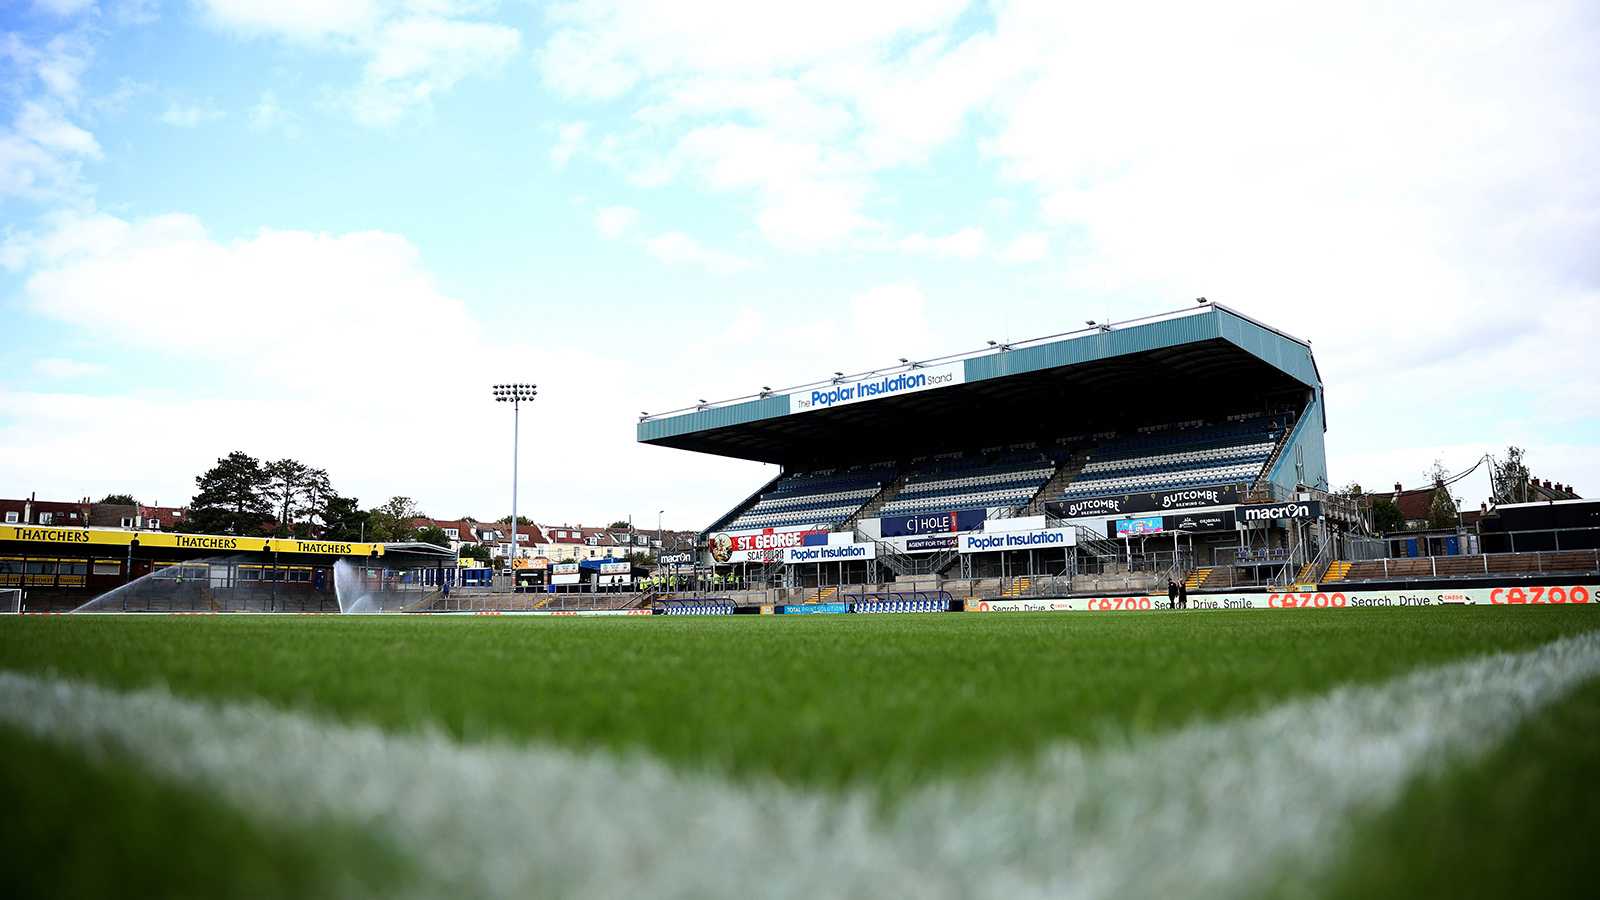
x=884, y=705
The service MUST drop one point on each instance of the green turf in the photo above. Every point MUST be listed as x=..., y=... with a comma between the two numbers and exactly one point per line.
x=75, y=827
x=1520, y=823
x=884, y=701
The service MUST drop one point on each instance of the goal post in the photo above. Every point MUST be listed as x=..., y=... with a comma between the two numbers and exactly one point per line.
x=10, y=601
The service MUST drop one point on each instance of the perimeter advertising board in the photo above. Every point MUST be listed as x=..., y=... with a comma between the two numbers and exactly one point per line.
x=766, y=545
x=878, y=387
x=1156, y=501
x=933, y=523
x=675, y=559
x=1045, y=539
x=1560, y=595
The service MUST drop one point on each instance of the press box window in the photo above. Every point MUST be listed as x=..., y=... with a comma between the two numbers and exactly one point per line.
x=107, y=568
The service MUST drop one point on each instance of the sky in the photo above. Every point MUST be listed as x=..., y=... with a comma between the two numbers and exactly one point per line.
x=322, y=229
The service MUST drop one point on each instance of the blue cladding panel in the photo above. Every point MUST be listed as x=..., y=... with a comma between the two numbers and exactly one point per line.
x=721, y=417
x=1101, y=345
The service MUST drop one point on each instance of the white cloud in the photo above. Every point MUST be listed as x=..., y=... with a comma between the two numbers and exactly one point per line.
x=616, y=221
x=339, y=350
x=267, y=115
x=968, y=243
x=746, y=324
x=413, y=50
x=569, y=140
x=1026, y=249
x=67, y=368
x=675, y=247
x=63, y=8
x=189, y=116
x=798, y=106
x=894, y=313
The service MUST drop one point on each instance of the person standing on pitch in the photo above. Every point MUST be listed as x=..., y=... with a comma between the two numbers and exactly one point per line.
x=1172, y=594
x=1183, y=594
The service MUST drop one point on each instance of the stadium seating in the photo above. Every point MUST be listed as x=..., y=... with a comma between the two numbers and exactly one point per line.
x=814, y=499
x=971, y=482
x=1178, y=458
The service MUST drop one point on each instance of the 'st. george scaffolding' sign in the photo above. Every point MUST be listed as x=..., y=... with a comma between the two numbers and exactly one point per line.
x=877, y=387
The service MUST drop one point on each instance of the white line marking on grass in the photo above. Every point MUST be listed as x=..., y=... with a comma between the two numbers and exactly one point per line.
x=1210, y=810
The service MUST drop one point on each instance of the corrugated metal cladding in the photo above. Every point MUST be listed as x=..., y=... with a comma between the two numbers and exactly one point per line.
x=720, y=417
x=1291, y=357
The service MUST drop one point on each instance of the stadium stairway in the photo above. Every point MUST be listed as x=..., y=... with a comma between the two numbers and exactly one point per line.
x=1337, y=571
x=876, y=503
x=1057, y=485
x=823, y=595
x=427, y=600
x=1019, y=586
x=1196, y=578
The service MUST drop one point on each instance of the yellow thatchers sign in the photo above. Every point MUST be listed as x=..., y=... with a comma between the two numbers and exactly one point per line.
x=67, y=537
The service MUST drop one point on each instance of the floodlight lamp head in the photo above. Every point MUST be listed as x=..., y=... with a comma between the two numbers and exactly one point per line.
x=1089, y=322
x=1201, y=300
x=993, y=344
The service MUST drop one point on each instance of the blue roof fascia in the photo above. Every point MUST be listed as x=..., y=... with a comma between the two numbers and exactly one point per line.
x=1285, y=354
x=719, y=417
x=1102, y=345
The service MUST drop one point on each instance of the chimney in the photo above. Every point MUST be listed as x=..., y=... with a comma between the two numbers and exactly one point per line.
x=1483, y=508
x=1547, y=484
x=1398, y=488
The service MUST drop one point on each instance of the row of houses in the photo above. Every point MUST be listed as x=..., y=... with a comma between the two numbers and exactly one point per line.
x=85, y=514
x=556, y=542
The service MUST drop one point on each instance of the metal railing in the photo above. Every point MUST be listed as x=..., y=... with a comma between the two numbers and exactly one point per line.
x=1553, y=562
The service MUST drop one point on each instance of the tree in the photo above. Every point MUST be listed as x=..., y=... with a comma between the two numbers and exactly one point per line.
x=476, y=551
x=1443, y=507
x=1386, y=516
x=621, y=525
x=1510, y=478
x=434, y=535
x=524, y=521
x=230, y=499
x=641, y=558
x=391, y=522
x=119, y=500
x=298, y=494
x=343, y=519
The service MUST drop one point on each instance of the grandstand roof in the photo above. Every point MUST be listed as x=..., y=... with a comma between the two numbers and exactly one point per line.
x=1208, y=361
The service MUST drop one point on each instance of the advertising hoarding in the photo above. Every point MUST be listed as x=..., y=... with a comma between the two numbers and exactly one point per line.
x=877, y=387
x=766, y=545
x=1190, y=523
x=830, y=553
x=1271, y=512
x=1137, y=527
x=928, y=544
x=933, y=523
x=1562, y=595
x=1045, y=539
x=1156, y=501
x=675, y=559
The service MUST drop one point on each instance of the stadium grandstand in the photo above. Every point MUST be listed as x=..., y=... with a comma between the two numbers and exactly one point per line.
x=1119, y=451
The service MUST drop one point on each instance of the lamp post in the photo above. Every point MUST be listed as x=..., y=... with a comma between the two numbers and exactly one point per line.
x=514, y=394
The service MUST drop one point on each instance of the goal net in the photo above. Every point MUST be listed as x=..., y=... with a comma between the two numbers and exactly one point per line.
x=10, y=601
